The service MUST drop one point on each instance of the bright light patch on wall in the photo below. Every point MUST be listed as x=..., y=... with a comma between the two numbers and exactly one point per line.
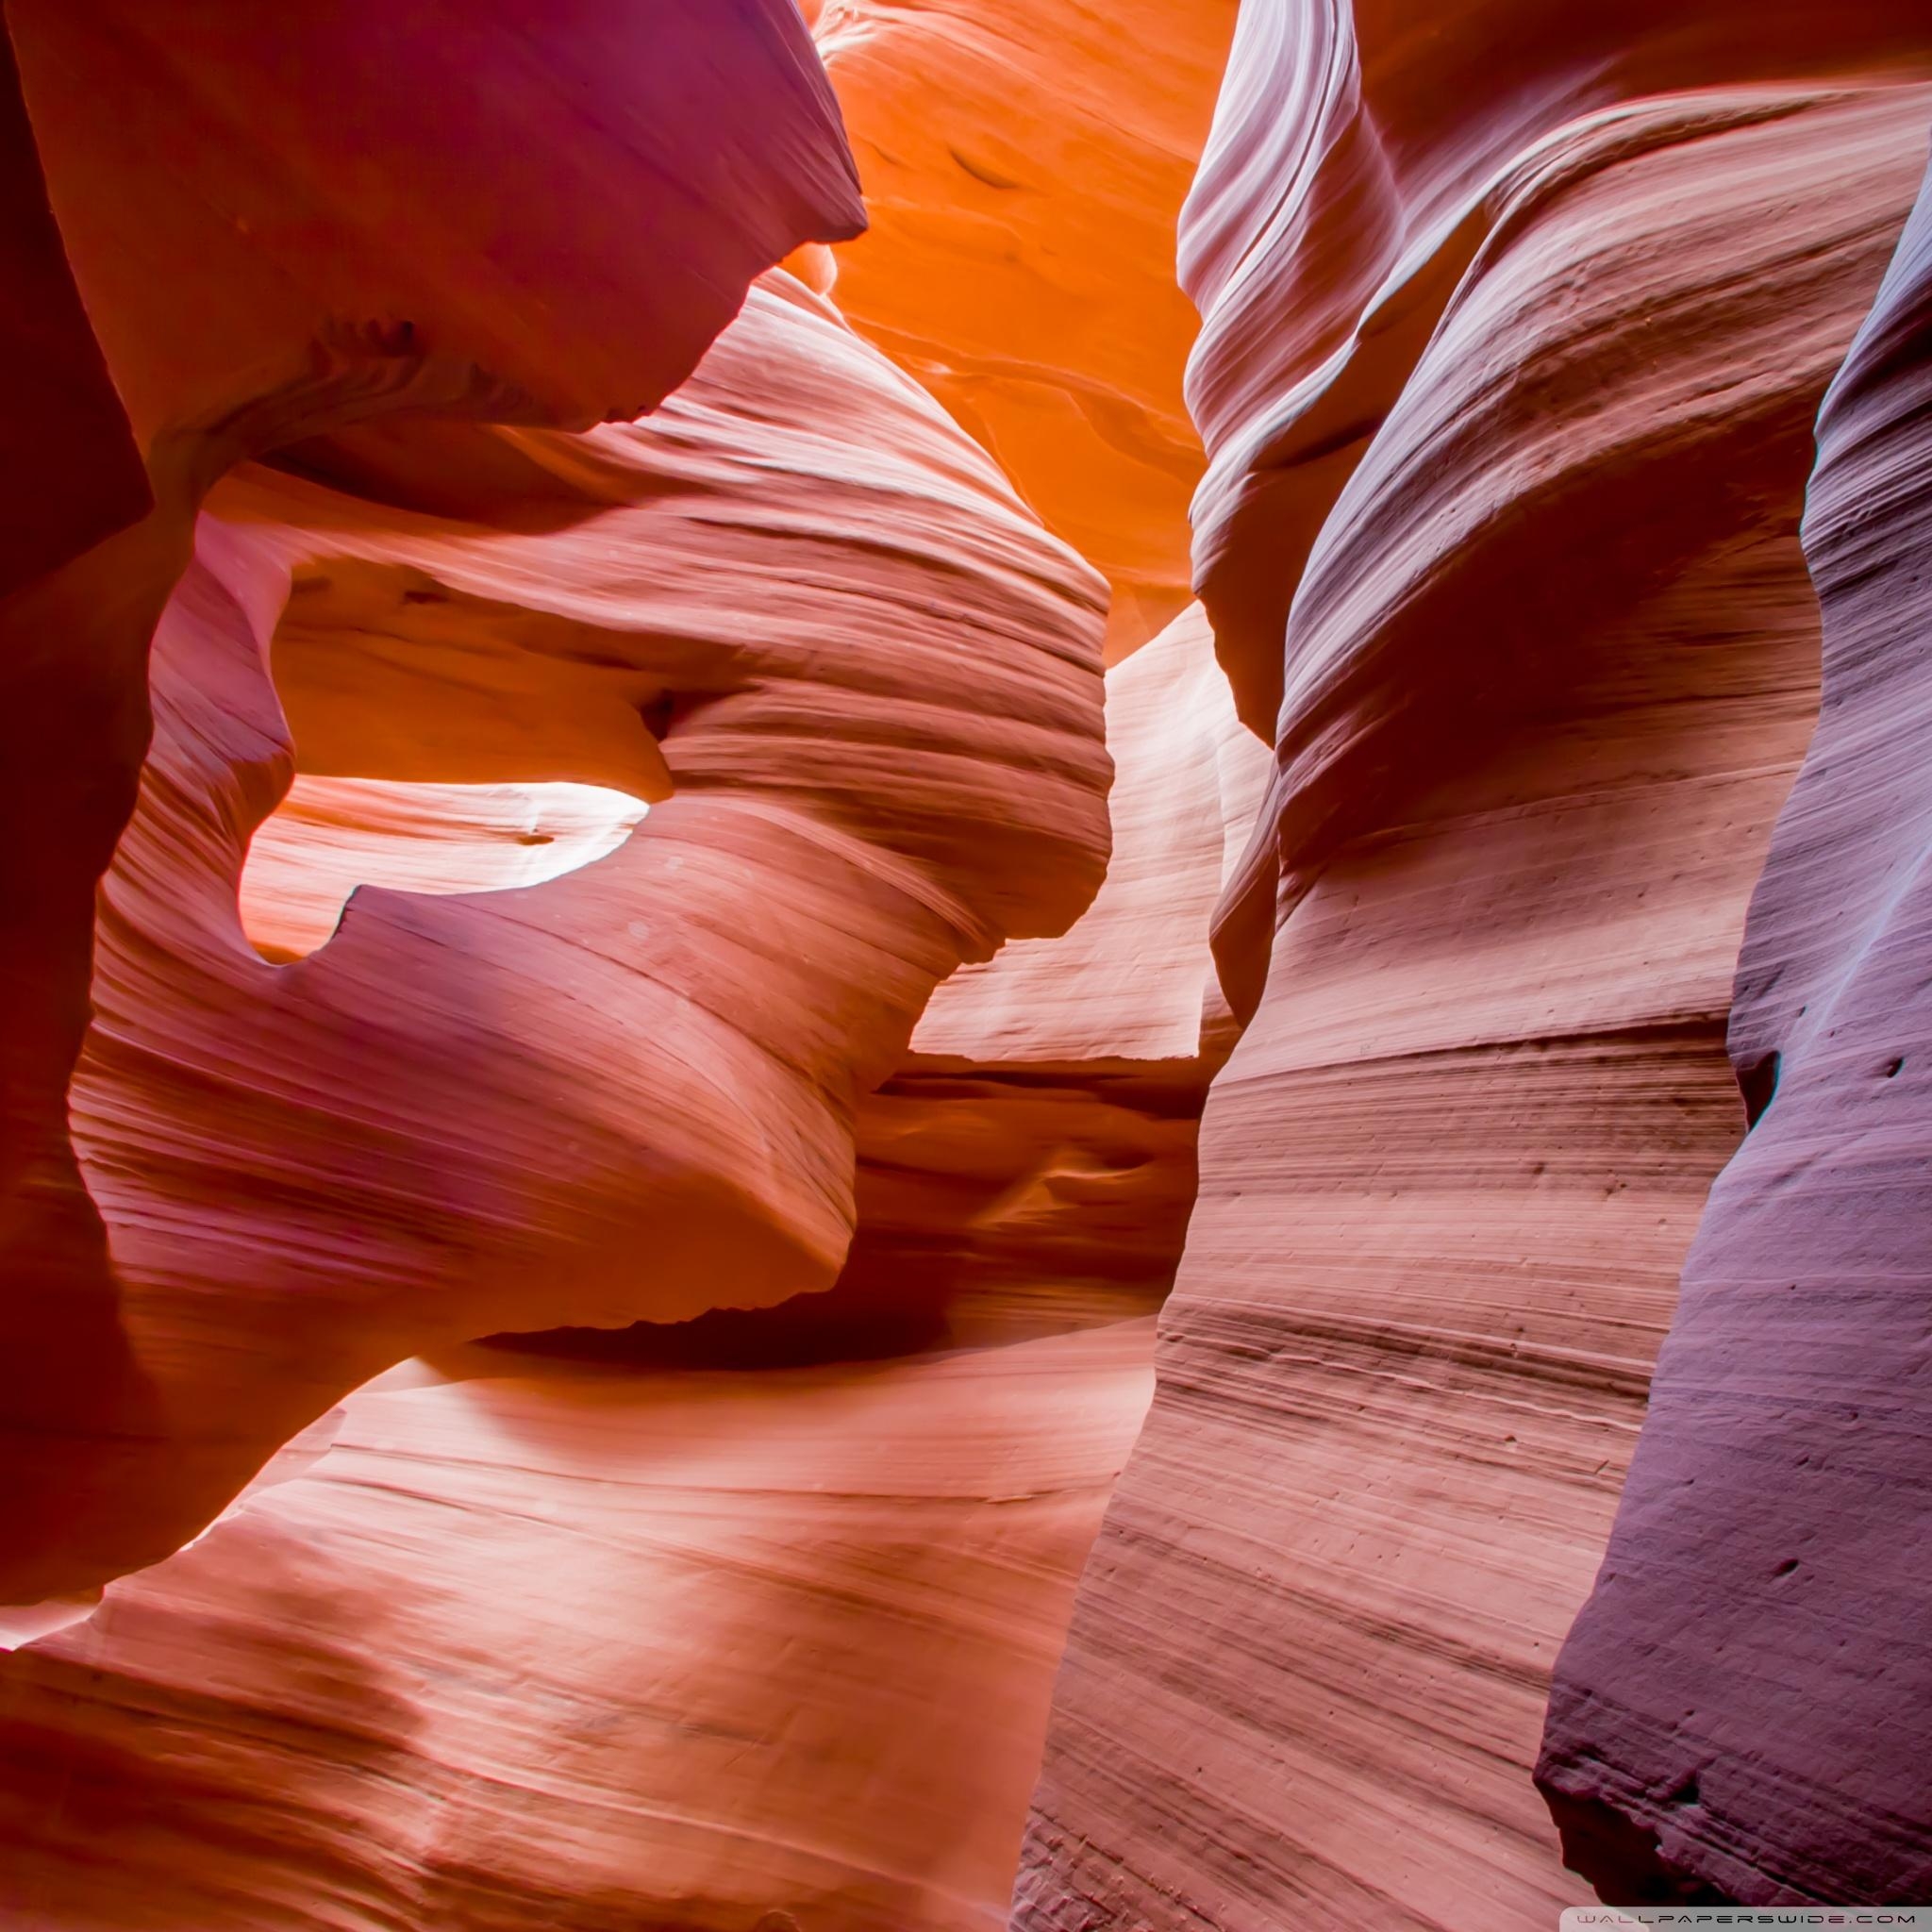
x=331, y=835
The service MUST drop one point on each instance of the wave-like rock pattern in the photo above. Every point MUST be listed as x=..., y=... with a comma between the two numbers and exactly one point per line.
x=1363, y=158
x=1741, y=1707
x=1130, y=981
x=270, y=239
x=578, y=1645
x=1548, y=671
x=1024, y=163
x=756, y=1615
x=800, y=608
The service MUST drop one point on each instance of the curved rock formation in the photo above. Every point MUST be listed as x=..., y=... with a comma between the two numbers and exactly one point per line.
x=798, y=1613
x=477, y=1114
x=559, y=1645
x=1132, y=980
x=1528, y=378
x=757, y=1615
x=1362, y=159
x=560, y=242
x=1740, y=1708
x=567, y=1185
x=270, y=239
x=1024, y=163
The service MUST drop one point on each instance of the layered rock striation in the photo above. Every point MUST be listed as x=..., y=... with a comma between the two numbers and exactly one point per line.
x=269, y=239
x=596, y=1125
x=753, y=1614
x=549, y=835
x=474, y=1113
x=1363, y=161
x=1737, y=1709
x=541, y=1642
x=1508, y=370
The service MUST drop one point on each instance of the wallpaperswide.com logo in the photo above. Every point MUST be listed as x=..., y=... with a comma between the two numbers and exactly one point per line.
x=1606, y=1918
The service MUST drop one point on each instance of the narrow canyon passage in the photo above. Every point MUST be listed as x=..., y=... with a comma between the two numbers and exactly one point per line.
x=900, y=872
x=810, y=1568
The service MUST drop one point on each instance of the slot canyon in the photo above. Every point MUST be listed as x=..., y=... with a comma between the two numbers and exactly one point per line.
x=968, y=964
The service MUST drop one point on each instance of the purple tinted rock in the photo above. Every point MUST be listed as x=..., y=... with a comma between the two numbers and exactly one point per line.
x=1740, y=1709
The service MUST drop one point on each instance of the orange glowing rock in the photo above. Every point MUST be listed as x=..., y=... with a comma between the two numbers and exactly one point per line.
x=1024, y=163
x=627, y=1092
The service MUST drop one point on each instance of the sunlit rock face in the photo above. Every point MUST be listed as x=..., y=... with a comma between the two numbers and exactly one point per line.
x=589, y=1645
x=1024, y=163
x=1740, y=1708
x=330, y=836
x=1131, y=981
x=800, y=609
x=550, y=837
x=1366, y=155
x=271, y=240
x=1508, y=374
x=687, y=1625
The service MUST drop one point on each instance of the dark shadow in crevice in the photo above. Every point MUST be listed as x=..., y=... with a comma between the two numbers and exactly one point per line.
x=1758, y=1083
x=1623, y=1862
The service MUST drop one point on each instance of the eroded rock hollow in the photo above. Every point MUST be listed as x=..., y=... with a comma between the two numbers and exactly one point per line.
x=719, y=1211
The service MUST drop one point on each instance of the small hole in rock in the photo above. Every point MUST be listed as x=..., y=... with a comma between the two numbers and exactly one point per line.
x=331, y=835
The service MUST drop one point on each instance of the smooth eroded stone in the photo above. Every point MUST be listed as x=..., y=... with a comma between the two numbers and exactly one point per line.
x=799, y=602
x=1530, y=597
x=1739, y=1710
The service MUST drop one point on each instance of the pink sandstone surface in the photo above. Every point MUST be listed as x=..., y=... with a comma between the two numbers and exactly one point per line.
x=1739, y=1709
x=796, y=615
x=269, y=241
x=467, y=1114
x=609, y=1043
x=1509, y=422
x=901, y=1475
